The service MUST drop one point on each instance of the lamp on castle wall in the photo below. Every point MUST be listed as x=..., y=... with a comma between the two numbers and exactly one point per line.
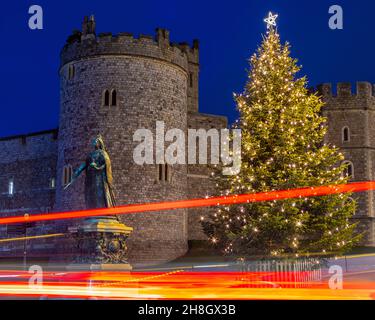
x=100, y=241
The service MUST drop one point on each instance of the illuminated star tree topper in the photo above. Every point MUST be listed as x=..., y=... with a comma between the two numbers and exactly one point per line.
x=271, y=20
x=282, y=147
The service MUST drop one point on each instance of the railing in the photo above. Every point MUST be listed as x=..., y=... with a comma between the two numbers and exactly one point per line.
x=292, y=273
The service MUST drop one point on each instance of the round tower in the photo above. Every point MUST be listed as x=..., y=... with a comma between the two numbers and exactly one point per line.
x=114, y=85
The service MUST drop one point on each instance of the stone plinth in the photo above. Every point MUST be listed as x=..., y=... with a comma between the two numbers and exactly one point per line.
x=100, y=244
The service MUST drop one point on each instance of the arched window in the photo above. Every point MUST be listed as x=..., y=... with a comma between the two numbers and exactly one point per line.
x=349, y=170
x=345, y=134
x=106, y=98
x=164, y=172
x=67, y=175
x=52, y=183
x=113, y=98
x=11, y=187
x=71, y=72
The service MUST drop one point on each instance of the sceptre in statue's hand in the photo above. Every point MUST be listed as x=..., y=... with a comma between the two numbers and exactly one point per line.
x=76, y=174
x=68, y=185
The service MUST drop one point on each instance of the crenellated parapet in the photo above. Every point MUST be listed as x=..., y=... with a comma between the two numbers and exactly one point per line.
x=346, y=96
x=345, y=89
x=115, y=85
x=191, y=52
x=81, y=45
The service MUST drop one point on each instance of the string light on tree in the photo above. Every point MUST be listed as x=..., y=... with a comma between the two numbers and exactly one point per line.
x=283, y=148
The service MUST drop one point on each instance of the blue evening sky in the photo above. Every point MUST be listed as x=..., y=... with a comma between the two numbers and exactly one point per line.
x=229, y=32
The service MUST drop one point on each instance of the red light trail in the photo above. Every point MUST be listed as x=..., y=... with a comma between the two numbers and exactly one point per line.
x=180, y=285
x=193, y=203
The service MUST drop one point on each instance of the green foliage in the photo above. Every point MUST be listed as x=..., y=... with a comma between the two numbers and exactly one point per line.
x=283, y=148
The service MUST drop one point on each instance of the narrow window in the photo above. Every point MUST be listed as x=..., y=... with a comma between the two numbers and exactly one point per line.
x=345, y=134
x=106, y=98
x=67, y=175
x=349, y=170
x=114, y=98
x=11, y=187
x=191, y=79
x=52, y=183
x=64, y=176
x=71, y=72
x=163, y=172
x=160, y=172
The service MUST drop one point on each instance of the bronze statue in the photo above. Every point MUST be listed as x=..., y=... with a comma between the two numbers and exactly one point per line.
x=98, y=181
x=100, y=240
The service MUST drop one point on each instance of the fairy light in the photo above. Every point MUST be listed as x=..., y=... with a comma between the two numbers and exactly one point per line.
x=282, y=145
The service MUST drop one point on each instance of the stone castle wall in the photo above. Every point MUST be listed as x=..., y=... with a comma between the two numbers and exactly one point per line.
x=200, y=182
x=354, y=108
x=155, y=80
x=30, y=162
x=151, y=78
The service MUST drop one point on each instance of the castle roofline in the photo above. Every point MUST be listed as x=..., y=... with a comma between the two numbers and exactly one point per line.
x=32, y=134
x=347, y=89
x=87, y=43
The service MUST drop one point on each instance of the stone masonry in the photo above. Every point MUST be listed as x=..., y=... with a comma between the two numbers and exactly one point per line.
x=355, y=112
x=154, y=80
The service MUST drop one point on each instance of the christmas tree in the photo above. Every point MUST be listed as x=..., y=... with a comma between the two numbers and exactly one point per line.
x=282, y=148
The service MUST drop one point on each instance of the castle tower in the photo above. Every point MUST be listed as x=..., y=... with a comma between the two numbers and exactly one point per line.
x=351, y=118
x=193, y=74
x=114, y=85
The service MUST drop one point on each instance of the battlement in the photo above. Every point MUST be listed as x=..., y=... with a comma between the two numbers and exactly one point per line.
x=84, y=44
x=192, y=52
x=345, y=89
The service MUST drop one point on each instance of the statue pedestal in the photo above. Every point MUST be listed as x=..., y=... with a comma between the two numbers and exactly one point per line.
x=100, y=244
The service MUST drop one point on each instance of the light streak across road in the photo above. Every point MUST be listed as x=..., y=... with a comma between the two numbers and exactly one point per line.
x=193, y=203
